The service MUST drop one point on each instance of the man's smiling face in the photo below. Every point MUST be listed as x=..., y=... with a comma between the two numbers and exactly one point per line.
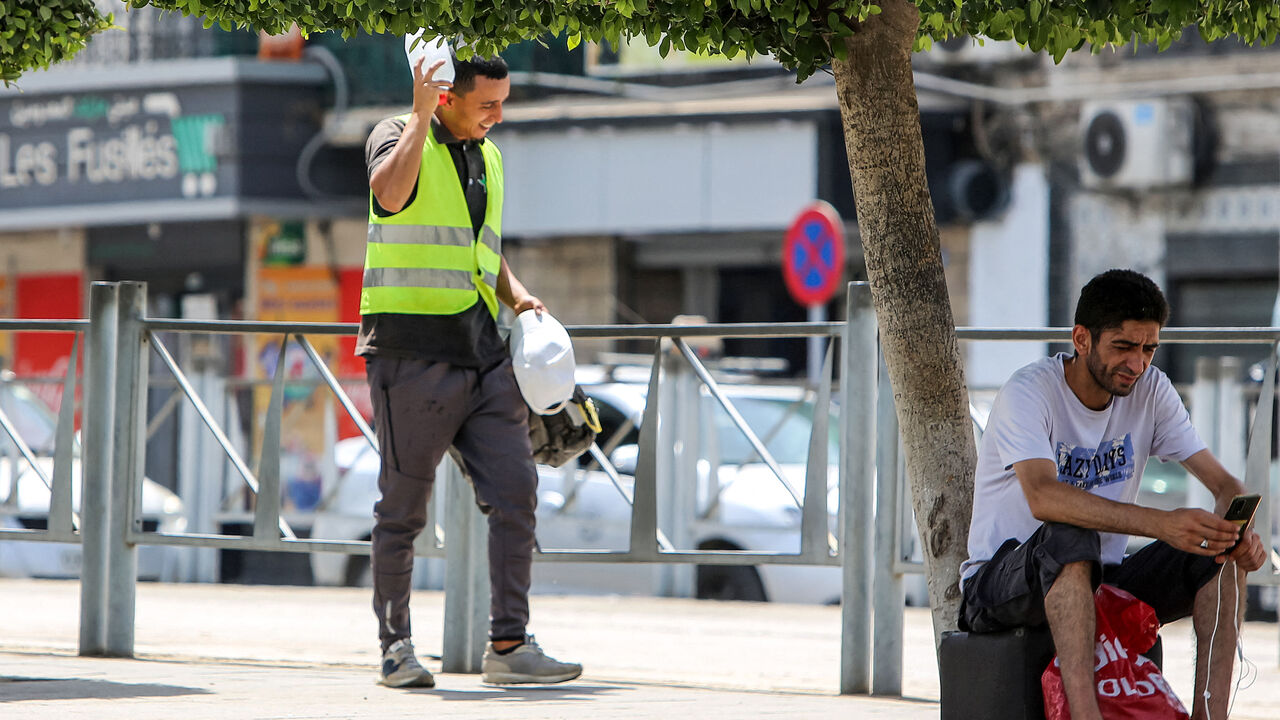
x=470, y=115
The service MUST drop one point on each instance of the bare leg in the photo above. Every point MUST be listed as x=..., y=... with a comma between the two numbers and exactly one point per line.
x=1070, y=611
x=1216, y=651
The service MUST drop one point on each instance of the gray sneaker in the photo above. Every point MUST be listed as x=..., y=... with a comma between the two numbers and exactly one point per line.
x=526, y=664
x=400, y=667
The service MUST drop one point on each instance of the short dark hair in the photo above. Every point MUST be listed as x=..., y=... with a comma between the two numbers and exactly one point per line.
x=465, y=71
x=1118, y=295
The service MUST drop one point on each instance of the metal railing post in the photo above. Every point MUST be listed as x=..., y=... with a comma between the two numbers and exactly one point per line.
x=816, y=538
x=1204, y=416
x=678, y=474
x=62, y=518
x=466, y=576
x=644, y=494
x=1232, y=428
x=201, y=472
x=857, y=469
x=266, y=503
x=95, y=495
x=126, y=467
x=1257, y=472
x=886, y=677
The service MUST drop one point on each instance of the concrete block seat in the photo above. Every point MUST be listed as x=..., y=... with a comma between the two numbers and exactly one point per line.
x=996, y=676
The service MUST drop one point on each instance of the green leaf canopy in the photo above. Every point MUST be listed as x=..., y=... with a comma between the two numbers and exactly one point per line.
x=801, y=34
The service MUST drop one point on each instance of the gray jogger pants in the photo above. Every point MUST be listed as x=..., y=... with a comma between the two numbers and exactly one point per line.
x=420, y=408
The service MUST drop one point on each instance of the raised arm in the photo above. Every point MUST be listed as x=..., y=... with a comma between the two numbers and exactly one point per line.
x=393, y=181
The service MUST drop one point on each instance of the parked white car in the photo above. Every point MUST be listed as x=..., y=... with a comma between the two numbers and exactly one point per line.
x=579, y=506
x=739, y=503
x=24, y=500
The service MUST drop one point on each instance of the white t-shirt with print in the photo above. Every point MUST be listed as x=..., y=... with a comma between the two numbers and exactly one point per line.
x=1036, y=415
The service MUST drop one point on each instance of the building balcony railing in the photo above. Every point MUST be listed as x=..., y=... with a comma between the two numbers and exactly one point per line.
x=374, y=64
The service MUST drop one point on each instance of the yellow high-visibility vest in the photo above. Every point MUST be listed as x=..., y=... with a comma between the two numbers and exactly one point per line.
x=426, y=259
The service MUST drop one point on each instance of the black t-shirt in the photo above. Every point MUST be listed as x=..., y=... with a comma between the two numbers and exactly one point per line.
x=469, y=338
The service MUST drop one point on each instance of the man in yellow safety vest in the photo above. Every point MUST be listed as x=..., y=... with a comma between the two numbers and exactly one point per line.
x=439, y=374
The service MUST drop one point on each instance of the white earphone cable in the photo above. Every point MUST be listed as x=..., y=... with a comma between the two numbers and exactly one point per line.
x=1208, y=666
x=1244, y=662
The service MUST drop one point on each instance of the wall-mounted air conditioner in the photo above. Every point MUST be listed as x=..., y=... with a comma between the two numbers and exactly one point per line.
x=1137, y=144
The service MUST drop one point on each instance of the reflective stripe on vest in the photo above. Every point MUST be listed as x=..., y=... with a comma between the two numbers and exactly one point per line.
x=418, y=277
x=404, y=234
x=426, y=259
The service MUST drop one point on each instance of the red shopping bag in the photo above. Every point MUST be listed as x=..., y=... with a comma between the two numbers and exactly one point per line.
x=1130, y=687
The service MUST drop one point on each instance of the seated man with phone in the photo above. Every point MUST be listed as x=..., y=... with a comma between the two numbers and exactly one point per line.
x=1058, y=473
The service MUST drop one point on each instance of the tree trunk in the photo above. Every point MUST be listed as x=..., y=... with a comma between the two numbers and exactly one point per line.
x=904, y=266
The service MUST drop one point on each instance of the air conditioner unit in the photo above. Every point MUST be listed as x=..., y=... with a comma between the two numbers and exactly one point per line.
x=964, y=50
x=1137, y=144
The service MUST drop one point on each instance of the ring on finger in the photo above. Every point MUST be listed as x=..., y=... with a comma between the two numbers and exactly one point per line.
x=1205, y=543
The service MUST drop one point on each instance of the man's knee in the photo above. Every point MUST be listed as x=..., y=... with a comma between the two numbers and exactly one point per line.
x=1067, y=543
x=1062, y=546
x=1063, y=534
x=1073, y=575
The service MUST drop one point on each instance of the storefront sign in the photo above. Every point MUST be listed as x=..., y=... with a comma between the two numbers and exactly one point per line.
x=89, y=147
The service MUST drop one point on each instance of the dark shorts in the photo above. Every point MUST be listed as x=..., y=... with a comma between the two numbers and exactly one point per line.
x=1008, y=590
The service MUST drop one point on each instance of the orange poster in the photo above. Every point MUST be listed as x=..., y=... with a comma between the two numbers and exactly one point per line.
x=298, y=294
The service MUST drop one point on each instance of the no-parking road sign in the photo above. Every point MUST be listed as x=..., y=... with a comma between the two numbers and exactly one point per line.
x=813, y=254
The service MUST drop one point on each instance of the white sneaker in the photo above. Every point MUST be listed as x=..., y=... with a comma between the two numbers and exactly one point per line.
x=526, y=664
x=400, y=667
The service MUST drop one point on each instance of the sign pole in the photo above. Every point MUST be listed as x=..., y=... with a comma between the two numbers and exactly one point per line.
x=817, y=314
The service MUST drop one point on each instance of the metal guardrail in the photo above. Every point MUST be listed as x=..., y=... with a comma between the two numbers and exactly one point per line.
x=263, y=484
x=124, y=334
x=868, y=546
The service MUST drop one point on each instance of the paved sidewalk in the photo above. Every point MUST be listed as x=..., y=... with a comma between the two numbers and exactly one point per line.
x=226, y=651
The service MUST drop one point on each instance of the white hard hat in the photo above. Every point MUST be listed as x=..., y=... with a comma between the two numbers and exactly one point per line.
x=542, y=357
x=433, y=49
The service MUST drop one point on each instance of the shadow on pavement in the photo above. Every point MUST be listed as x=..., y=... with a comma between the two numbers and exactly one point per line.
x=527, y=693
x=16, y=689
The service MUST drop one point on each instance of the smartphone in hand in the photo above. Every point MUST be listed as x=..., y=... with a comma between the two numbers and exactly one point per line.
x=1241, y=513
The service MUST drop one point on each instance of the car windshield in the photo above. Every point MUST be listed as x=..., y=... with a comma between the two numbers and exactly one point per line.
x=782, y=424
x=32, y=420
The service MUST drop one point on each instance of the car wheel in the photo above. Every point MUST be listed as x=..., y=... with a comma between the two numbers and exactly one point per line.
x=730, y=582
x=359, y=572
